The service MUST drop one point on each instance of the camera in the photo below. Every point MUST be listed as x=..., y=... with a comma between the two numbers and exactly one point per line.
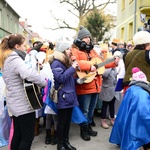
x=147, y=25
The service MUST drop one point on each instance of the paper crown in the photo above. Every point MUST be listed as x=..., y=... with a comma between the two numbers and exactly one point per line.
x=115, y=41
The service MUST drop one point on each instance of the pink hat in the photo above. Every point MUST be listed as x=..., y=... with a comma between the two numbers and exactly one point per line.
x=138, y=75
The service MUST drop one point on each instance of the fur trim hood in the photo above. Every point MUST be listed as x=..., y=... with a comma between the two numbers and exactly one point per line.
x=57, y=55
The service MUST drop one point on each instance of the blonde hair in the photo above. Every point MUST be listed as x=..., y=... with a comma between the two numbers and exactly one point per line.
x=8, y=44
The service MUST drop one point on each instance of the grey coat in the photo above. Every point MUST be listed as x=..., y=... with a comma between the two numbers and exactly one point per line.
x=14, y=72
x=108, y=86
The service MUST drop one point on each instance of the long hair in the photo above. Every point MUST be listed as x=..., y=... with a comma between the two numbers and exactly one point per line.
x=8, y=44
x=68, y=60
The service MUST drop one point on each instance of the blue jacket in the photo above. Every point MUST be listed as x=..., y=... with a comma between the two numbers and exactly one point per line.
x=67, y=97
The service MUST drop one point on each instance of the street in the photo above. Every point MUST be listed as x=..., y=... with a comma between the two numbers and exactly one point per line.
x=100, y=142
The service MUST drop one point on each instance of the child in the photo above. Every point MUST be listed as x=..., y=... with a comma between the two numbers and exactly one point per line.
x=63, y=69
x=108, y=96
x=131, y=129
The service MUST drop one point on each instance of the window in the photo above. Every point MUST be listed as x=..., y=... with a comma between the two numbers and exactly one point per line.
x=7, y=22
x=123, y=5
x=122, y=33
x=0, y=17
x=130, y=30
x=130, y=1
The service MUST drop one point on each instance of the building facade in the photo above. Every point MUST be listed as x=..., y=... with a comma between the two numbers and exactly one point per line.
x=131, y=16
x=9, y=19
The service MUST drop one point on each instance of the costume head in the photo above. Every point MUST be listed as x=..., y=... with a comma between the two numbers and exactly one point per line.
x=141, y=37
x=83, y=33
x=138, y=75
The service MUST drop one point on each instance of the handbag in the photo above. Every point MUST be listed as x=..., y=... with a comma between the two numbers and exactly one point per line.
x=54, y=94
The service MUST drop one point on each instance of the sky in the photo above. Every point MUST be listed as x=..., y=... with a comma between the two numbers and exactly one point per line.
x=38, y=15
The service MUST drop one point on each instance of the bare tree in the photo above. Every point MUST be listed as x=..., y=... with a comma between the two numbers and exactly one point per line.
x=79, y=9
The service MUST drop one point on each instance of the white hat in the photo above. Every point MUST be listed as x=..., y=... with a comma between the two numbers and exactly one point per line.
x=141, y=37
x=63, y=46
x=117, y=54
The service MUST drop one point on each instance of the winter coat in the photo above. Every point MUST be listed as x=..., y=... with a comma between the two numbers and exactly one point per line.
x=67, y=97
x=96, y=83
x=136, y=58
x=108, y=87
x=14, y=72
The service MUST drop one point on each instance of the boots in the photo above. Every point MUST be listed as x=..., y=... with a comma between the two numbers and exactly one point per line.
x=91, y=132
x=104, y=124
x=112, y=121
x=67, y=145
x=48, y=136
x=54, y=138
x=36, y=129
x=93, y=123
x=60, y=145
x=84, y=133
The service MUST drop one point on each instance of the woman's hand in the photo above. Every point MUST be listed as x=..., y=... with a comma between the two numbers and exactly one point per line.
x=93, y=68
x=75, y=64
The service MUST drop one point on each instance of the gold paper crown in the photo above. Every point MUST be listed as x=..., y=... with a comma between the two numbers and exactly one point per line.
x=115, y=41
x=130, y=42
x=35, y=39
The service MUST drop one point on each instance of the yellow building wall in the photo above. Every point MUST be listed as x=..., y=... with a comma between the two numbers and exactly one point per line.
x=128, y=17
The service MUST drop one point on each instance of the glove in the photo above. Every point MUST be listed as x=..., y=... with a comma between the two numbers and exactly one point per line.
x=80, y=81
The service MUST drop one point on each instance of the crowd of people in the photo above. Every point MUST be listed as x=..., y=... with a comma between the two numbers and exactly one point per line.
x=75, y=71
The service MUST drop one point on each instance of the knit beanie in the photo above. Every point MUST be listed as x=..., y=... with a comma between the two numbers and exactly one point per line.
x=141, y=37
x=138, y=75
x=63, y=46
x=83, y=32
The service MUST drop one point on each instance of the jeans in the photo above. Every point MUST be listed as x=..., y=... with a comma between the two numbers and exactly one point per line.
x=87, y=103
x=23, y=132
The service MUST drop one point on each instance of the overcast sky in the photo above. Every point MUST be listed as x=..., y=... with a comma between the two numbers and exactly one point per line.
x=38, y=15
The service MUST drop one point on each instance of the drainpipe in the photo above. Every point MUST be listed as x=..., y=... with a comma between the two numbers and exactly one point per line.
x=135, y=5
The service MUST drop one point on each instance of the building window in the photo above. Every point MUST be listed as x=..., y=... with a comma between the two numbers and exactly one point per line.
x=130, y=30
x=7, y=22
x=0, y=17
x=123, y=5
x=130, y=1
x=122, y=33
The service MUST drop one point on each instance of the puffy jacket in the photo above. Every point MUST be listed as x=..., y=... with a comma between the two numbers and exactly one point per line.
x=14, y=72
x=67, y=97
x=96, y=83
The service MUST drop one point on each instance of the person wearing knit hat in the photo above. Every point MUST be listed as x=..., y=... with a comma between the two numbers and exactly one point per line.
x=63, y=46
x=63, y=69
x=138, y=57
x=133, y=115
x=82, y=50
x=138, y=75
x=83, y=32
